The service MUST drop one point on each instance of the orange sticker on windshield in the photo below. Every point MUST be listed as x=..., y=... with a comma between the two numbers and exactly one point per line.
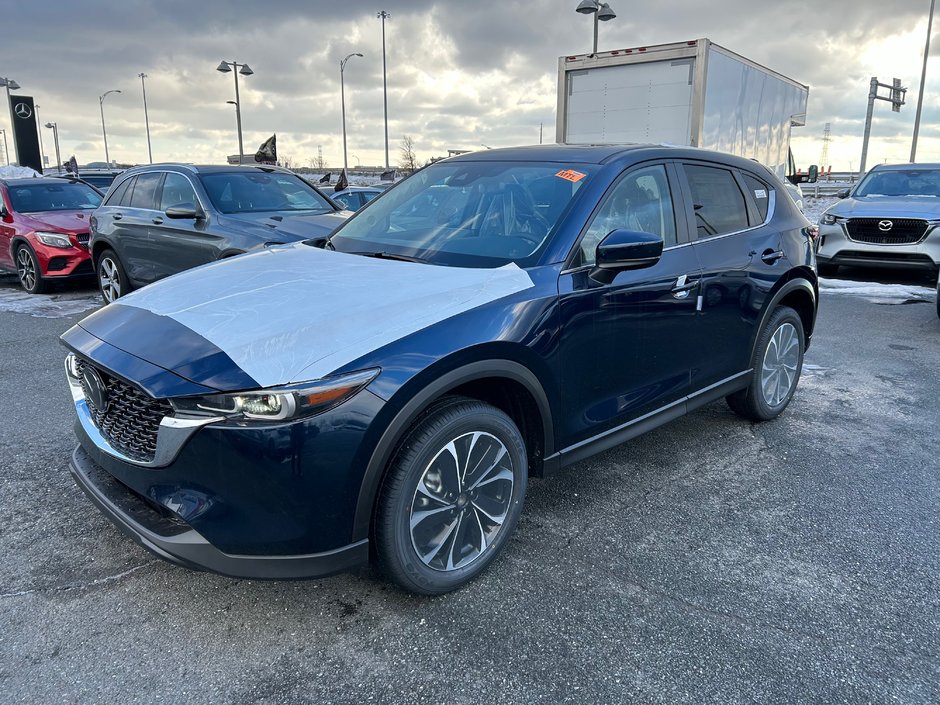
x=570, y=175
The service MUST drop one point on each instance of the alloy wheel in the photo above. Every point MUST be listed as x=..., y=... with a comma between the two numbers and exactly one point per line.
x=109, y=279
x=461, y=501
x=779, y=368
x=26, y=269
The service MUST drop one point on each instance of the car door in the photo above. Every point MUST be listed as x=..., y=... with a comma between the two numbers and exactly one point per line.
x=181, y=243
x=131, y=222
x=625, y=345
x=741, y=258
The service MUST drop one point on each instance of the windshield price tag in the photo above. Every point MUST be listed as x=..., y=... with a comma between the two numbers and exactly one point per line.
x=570, y=175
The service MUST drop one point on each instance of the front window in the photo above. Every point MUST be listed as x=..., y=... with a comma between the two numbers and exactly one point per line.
x=900, y=182
x=259, y=192
x=467, y=214
x=65, y=196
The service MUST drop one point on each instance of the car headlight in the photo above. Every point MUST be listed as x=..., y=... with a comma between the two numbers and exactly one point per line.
x=829, y=219
x=278, y=403
x=54, y=239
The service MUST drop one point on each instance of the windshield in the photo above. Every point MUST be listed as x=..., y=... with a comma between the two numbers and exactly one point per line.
x=64, y=196
x=897, y=182
x=467, y=214
x=258, y=192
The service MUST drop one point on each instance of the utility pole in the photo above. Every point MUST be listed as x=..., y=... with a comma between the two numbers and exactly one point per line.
x=896, y=99
x=923, y=80
x=383, y=15
x=143, y=88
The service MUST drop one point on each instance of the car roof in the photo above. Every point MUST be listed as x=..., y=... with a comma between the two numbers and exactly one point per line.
x=904, y=167
x=38, y=180
x=206, y=168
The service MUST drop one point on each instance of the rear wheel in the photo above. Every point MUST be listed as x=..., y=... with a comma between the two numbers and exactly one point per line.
x=776, y=367
x=452, y=497
x=112, y=280
x=27, y=269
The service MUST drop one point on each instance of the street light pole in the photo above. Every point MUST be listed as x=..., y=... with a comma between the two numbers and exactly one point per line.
x=42, y=150
x=104, y=131
x=923, y=80
x=9, y=83
x=243, y=69
x=601, y=12
x=383, y=15
x=55, y=134
x=342, y=95
x=143, y=88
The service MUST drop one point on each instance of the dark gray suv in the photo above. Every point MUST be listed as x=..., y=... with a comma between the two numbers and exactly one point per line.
x=161, y=219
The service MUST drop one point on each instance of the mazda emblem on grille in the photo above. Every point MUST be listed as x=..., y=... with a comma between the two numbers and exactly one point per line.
x=885, y=225
x=95, y=390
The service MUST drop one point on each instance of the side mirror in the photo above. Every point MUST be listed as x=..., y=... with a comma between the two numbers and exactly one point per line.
x=813, y=176
x=843, y=193
x=184, y=211
x=625, y=249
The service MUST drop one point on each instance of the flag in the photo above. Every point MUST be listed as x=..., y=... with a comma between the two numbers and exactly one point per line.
x=72, y=166
x=388, y=175
x=341, y=182
x=267, y=152
x=326, y=178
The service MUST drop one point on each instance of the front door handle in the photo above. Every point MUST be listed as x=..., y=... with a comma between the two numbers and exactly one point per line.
x=771, y=256
x=683, y=286
x=157, y=221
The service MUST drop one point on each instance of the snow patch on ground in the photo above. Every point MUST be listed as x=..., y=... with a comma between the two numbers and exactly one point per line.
x=47, y=306
x=877, y=293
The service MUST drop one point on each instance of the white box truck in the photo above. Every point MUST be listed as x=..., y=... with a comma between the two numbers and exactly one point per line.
x=689, y=93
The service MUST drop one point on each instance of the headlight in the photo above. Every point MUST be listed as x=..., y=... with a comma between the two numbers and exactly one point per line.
x=54, y=240
x=829, y=219
x=279, y=403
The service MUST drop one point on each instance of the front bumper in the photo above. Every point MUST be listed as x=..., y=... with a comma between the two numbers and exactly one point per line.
x=62, y=263
x=175, y=541
x=836, y=248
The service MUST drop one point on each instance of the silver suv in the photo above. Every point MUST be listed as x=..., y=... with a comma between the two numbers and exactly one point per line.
x=889, y=219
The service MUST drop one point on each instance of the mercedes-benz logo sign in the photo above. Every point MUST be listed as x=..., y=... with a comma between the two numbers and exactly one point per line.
x=885, y=225
x=95, y=391
x=23, y=111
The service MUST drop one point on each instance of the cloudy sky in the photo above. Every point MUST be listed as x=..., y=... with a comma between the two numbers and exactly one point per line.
x=461, y=73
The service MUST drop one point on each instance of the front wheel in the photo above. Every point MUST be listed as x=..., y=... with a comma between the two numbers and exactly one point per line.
x=112, y=280
x=777, y=363
x=27, y=269
x=452, y=497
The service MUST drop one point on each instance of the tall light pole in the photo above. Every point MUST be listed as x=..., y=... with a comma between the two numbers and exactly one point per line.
x=342, y=95
x=232, y=102
x=600, y=10
x=6, y=147
x=104, y=131
x=383, y=15
x=243, y=69
x=10, y=84
x=55, y=134
x=143, y=88
x=42, y=150
x=923, y=80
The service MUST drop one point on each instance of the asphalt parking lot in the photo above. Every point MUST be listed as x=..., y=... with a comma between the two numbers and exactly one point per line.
x=711, y=561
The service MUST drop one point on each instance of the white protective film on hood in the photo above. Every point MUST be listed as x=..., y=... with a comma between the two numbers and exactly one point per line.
x=297, y=313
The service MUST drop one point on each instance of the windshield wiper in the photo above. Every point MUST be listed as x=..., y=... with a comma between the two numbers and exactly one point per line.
x=389, y=255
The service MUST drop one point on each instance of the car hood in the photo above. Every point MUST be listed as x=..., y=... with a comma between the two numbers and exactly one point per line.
x=888, y=207
x=58, y=221
x=289, y=226
x=289, y=314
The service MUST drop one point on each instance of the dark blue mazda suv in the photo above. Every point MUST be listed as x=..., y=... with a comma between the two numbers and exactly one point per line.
x=386, y=392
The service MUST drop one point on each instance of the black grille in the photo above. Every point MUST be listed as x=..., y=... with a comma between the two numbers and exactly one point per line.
x=132, y=417
x=903, y=231
x=83, y=240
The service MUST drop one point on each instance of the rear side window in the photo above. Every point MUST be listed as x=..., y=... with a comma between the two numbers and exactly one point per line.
x=145, y=191
x=760, y=192
x=717, y=201
x=176, y=191
x=116, y=196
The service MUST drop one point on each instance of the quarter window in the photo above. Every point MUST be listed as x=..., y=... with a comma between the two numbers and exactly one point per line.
x=145, y=191
x=176, y=191
x=717, y=201
x=641, y=201
x=760, y=192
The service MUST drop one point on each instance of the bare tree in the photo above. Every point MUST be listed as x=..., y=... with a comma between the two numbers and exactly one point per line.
x=317, y=162
x=287, y=161
x=407, y=158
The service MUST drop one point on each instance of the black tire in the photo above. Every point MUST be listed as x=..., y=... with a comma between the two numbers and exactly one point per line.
x=756, y=402
x=112, y=279
x=466, y=425
x=826, y=270
x=27, y=269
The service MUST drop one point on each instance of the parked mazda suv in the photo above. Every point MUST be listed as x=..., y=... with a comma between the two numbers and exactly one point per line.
x=160, y=219
x=386, y=393
x=44, y=230
x=889, y=220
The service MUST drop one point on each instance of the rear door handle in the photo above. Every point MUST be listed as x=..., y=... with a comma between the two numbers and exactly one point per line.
x=157, y=221
x=771, y=256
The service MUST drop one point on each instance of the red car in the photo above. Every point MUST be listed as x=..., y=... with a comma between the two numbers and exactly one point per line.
x=44, y=230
